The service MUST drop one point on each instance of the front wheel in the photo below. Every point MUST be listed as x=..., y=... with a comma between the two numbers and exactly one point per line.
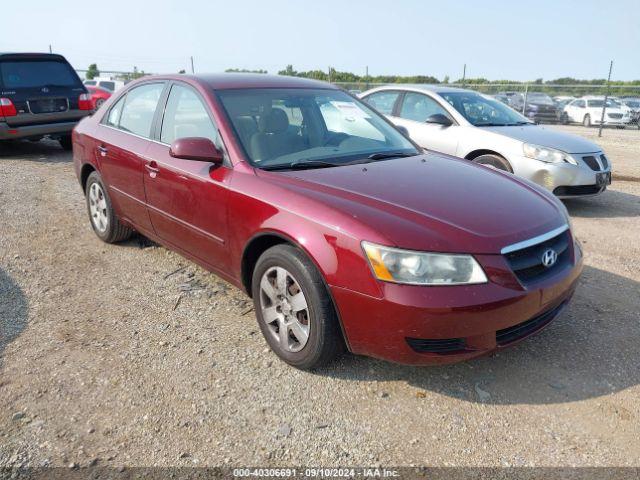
x=493, y=161
x=587, y=121
x=294, y=310
x=105, y=222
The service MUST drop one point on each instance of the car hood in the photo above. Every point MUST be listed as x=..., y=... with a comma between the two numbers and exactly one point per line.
x=547, y=137
x=428, y=202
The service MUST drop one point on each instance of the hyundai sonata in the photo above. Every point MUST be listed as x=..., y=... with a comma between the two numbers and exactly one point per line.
x=344, y=232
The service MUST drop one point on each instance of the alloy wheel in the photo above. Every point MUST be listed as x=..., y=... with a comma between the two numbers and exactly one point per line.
x=284, y=309
x=98, y=207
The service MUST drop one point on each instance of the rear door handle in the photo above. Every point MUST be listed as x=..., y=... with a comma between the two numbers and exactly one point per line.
x=152, y=168
x=103, y=150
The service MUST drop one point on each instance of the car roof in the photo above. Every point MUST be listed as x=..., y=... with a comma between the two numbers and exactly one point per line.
x=225, y=81
x=424, y=87
x=26, y=55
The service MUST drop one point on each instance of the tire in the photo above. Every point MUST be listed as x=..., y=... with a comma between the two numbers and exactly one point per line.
x=65, y=142
x=494, y=161
x=99, y=103
x=318, y=318
x=586, y=121
x=564, y=119
x=104, y=221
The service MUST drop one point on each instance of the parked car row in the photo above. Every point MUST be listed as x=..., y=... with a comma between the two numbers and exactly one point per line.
x=541, y=108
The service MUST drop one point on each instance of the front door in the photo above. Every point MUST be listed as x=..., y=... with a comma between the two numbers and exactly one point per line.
x=187, y=199
x=413, y=113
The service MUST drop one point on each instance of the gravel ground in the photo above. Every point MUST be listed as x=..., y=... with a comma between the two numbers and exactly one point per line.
x=129, y=355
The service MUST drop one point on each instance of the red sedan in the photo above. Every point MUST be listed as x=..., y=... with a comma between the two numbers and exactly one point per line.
x=98, y=96
x=343, y=231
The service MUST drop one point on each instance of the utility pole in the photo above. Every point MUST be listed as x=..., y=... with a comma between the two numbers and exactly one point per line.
x=329, y=74
x=193, y=71
x=50, y=49
x=464, y=74
x=606, y=97
x=366, y=77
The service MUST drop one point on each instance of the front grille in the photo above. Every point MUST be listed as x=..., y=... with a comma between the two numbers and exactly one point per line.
x=527, y=264
x=591, y=161
x=614, y=115
x=604, y=161
x=48, y=105
x=442, y=345
x=521, y=330
x=569, y=191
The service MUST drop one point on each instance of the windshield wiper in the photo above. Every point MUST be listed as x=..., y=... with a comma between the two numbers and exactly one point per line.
x=301, y=165
x=383, y=155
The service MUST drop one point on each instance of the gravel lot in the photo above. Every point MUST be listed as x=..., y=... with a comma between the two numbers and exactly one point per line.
x=129, y=355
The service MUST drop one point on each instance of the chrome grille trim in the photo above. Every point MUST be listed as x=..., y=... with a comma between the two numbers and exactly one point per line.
x=535, y=240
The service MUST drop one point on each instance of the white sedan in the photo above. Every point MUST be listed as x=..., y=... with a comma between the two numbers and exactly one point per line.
x=588, y=111
x=480, y=129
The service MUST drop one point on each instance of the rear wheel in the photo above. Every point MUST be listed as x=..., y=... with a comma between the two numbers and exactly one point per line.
x=99, y=103
x=494, y=161
x=294, y=310
x=65, y=142
x=105, y=223
x=586, y=121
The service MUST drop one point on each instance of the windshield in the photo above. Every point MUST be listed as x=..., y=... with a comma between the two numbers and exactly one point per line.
x=37, y=73
x=481, y=111
x=288, y=127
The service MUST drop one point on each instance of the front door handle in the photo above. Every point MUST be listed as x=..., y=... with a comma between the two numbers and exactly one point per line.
x=152, y=168
x=103, y=150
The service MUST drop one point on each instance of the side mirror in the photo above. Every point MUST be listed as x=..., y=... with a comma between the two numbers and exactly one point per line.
x=196, y=148
x=439, y=119
x=403, y=130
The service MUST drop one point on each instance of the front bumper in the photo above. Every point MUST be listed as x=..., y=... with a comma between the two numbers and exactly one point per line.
x=556, y=177
x=468, y=321
x=38, y=130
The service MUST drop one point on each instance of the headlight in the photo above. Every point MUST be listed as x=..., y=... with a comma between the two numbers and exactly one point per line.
x=421, y=268
x=547, y=155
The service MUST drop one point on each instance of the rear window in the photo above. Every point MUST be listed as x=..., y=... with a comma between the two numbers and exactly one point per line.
x=37, y=73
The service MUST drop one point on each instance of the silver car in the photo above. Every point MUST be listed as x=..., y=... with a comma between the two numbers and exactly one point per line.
x=476, y=127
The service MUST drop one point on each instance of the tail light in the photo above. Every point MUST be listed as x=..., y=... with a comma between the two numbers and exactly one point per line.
x=84, y=102
x=7, y=108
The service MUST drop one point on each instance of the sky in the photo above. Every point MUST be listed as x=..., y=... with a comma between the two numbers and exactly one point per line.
x=497, y=40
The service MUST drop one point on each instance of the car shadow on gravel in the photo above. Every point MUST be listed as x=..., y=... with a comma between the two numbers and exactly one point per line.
x=13, y=311
x=44, y=151
x=611, y=203
x=590, y=350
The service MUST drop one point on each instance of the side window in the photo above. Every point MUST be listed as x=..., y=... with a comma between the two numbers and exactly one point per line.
x=113, y=118
x=186, y=116
x=579, y=103
x=139, y=108
x=419, y=107
x=383, y=101
x=108, y=85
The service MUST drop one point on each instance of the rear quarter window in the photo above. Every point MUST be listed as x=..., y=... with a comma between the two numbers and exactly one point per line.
x=37, y=73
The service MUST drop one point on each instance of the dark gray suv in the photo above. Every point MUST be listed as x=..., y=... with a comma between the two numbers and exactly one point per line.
x=40, y=95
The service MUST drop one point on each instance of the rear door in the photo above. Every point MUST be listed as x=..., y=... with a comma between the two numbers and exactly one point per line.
x=187, y=199
x=122, y=143
x=43, y=89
